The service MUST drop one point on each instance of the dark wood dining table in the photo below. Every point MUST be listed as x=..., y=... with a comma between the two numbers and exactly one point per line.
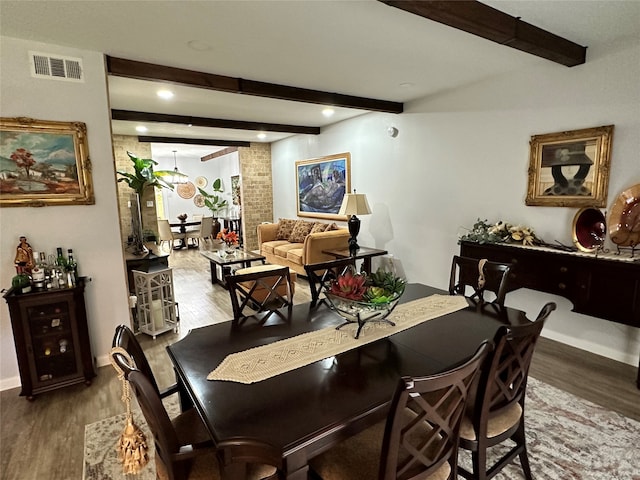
x=182, y=228
x=296, y=415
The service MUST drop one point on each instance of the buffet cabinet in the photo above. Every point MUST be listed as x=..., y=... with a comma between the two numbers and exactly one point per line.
x=51, y=338
x=607, y=288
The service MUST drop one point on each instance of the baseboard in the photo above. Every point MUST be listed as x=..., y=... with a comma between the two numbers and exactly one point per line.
x=591, y=347
x=9, y=383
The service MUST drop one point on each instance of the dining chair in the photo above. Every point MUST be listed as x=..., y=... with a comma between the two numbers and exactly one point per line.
x=264, y=288
x=497, y=414
x=181, y=442
x=126, y=339
x=481, y=276
x=321, y=274
x=166, y=234
x=203, y=231
x=419, y=438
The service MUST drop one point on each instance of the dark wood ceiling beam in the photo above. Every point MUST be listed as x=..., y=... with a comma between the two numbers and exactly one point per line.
x=194, y=141
x=131, y=116
x=487, y=22
x=219, y=153
x=148, y=71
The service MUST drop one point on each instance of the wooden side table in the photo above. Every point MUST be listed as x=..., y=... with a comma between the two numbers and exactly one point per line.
x=364, y=253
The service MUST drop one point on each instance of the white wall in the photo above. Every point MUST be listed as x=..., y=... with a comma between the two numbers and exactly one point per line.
x=464, y=154
x=91, y=230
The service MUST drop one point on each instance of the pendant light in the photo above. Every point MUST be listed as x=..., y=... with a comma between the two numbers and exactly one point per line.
x=177, y=176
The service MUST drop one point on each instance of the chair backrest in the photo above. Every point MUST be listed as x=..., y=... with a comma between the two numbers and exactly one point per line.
x=126, y=339
x=164, y=434
x=503, y=380
x=164, y=229
x=260, y=291
x=423, y=425
x=320, y=275
x=481, y=276
x=206, y=227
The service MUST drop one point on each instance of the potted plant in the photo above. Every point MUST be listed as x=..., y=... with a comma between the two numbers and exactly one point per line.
x=143, y=177
x=214, y=202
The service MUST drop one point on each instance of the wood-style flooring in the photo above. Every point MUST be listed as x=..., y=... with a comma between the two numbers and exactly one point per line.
x=44, y=439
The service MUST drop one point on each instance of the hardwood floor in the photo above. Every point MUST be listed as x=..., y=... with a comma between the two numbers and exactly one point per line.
x=44, y=439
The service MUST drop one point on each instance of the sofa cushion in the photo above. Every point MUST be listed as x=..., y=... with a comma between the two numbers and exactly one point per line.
x=301, y=229
x=332, y=226
x=269, y=246
x=285, y=227
x=295, y=255
x=319, y=227
x=281, y=250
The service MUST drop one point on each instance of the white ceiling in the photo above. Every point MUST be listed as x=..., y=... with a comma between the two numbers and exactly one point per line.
x=363, y=48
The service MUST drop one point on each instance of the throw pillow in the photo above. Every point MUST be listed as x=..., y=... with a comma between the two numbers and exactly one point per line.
x=300, y=231
x=319, y=227
x=285, y=227
x=333, y=226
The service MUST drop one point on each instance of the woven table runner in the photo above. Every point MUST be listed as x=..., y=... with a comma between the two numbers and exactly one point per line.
x=266, y=361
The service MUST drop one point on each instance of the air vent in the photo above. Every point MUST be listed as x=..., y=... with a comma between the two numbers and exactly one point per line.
x=57, y=67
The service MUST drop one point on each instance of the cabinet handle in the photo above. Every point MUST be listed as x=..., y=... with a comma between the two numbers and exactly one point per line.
x=564, y=269
x=562, y=286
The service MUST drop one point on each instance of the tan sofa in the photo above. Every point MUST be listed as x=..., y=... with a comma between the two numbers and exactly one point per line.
x=296, y=255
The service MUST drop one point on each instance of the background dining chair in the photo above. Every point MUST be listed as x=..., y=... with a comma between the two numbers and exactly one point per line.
x=497, y=414
x=179, y=441
x=420, y=437
x=265, y=288
x=321, y=274
x=166, y=234
x=203, y=231
x=481, y=276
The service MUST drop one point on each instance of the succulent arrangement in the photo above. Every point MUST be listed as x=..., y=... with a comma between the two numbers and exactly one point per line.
x=379, y=288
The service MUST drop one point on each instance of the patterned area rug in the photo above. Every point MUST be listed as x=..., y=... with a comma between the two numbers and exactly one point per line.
x=568, y=438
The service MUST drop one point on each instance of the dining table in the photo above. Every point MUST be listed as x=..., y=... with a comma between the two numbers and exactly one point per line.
x=291, y=417
x=182, y=228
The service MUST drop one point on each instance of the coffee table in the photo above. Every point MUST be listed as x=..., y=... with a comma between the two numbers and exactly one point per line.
x=241, y=257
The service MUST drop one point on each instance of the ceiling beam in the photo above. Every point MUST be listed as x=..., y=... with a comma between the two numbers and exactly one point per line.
x=148, y=71
x=487, y=22
x=219, y=153
x=194, y=141
x=132, y=116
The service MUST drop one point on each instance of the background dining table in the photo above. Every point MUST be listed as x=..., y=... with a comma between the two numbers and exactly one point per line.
x=303, y=412
x=182, y=226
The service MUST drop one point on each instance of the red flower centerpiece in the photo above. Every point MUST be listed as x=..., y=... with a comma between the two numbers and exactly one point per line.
x=230, y=238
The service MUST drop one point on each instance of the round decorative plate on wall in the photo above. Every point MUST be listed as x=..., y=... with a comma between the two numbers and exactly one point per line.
x=201, y=182
x=198, y=200
x=186, y=190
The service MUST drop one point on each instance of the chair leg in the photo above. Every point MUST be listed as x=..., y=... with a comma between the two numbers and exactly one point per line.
x=479, y=462
x=519, y=438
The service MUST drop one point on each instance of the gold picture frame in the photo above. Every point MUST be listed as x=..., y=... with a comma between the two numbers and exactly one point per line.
x=570, y=169
x=321, y=184
x=43, y=163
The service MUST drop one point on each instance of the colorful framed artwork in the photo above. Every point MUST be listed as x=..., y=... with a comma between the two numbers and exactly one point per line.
x=44, y=163
x=235, y=189
x=321, y=184
x=570, y=169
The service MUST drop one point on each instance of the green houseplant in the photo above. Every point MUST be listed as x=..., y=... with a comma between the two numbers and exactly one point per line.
x=144, y=176
x=214, y=202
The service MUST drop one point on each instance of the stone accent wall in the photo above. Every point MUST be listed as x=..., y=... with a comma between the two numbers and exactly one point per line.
x=256, y=192
x=122, y=144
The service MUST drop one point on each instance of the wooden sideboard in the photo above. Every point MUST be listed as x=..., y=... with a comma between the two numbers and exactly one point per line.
x=601, y=287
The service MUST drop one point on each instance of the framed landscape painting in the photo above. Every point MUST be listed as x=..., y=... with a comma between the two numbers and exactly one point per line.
x=44, y=163
x=321, y=184
x=570, y=169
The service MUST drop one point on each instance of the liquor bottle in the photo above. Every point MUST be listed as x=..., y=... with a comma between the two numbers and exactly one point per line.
x=60, y=260
x=72, y=269
x=38, y=272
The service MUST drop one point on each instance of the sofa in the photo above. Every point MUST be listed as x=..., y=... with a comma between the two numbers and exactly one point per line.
x=296, y=243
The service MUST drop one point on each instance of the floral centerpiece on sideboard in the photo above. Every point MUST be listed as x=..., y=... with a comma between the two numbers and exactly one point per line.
x=359, y=298
x=501, y=232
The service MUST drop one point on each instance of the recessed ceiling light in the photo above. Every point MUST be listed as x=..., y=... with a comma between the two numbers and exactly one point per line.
x=262, y=136
x=166, y=94
x=198, y=45
x=327, y=112
x=141, y=128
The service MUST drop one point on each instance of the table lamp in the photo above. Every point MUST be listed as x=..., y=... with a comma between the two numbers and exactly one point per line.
x=354, y=204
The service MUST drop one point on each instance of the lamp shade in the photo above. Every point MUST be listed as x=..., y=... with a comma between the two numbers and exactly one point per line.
x=354, y=204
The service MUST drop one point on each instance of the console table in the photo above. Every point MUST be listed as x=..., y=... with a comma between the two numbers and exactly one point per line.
x=601, y=287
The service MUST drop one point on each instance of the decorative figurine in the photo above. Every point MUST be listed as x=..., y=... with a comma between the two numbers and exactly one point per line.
x=24, y=256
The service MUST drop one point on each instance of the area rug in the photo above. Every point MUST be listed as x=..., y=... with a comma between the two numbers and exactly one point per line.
x=568, y=438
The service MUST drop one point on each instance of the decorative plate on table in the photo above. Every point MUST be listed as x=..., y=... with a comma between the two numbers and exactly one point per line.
x=201, y=182
x=198, y=200
x=186, y=190
x=589, y=229
x=624, y=219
